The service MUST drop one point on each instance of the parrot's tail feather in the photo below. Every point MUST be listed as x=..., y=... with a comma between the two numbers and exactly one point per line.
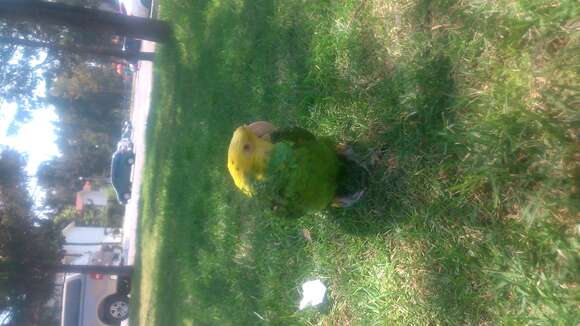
x=353, y=179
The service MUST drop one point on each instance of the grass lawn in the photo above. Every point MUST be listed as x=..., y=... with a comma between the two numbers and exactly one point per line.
x=467, y=114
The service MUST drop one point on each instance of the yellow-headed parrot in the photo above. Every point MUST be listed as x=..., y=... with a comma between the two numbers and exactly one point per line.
x=292, y=169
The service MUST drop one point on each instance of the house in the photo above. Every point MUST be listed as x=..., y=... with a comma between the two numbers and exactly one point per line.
x=90, y=196
x=84, y=241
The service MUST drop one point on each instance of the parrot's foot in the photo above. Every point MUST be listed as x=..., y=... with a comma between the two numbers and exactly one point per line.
x=347, y=201
x=344, y=150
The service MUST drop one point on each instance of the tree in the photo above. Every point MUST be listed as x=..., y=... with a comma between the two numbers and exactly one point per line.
x=85, y=80
x=30, y=248
x=58, y=183
x=87, y=217
x=85, y=18
x=22, y=69
x=108, y=217
x=28, y=245
x=45, y=39
x=88, y=129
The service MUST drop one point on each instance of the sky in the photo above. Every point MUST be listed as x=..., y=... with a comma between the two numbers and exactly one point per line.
x=36, y=139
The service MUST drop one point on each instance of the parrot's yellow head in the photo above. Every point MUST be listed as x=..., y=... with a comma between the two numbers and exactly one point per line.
x=247, y=157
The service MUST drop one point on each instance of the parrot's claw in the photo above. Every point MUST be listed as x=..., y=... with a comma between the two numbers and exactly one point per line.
x=347, y=201
x=344, y=150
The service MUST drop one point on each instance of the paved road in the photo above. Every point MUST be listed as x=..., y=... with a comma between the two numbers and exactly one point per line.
x=140, y=104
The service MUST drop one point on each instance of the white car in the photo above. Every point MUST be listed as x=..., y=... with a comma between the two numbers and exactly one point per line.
x=96, y=299
x=140, y=8
x=93, y=300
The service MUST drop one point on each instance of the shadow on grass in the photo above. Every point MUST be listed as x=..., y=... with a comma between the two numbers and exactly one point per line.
x=414, y=144
x=410, y=149
x=468, y=249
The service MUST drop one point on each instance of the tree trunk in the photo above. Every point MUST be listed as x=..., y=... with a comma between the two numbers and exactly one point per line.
x=106, y=52
x=99, y=269
x=84, y=18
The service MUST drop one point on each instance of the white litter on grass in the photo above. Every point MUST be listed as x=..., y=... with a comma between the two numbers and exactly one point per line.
x=313, y=293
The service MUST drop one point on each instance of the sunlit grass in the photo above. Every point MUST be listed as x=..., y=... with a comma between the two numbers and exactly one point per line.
x=466, y=113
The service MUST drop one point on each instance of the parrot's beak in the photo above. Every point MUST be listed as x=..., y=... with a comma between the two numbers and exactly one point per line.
x=262, y=129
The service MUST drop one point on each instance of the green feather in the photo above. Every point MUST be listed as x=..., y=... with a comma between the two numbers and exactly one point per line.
x=301, y=174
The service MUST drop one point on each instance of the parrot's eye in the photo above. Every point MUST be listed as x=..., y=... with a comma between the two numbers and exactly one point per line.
x=247, y=147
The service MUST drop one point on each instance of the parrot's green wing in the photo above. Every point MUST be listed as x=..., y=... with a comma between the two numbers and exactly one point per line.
x=301, y=175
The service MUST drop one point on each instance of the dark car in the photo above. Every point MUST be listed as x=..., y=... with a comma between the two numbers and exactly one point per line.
x=121, y=163
x=131, y=45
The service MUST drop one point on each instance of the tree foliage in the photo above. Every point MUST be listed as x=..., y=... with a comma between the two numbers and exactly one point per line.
x=28, y=245
x=86, y=135
x=24, y=69
x=87, y=79
x=110, y=217
x=84, y=89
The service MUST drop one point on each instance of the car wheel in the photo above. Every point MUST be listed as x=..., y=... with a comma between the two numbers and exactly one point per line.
x=116, y=309
x=127, y=196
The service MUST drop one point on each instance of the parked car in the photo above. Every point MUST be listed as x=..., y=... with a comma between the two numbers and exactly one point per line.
x=131, y=45
x=96, y=299
x=121, y=165
x=139, y=8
